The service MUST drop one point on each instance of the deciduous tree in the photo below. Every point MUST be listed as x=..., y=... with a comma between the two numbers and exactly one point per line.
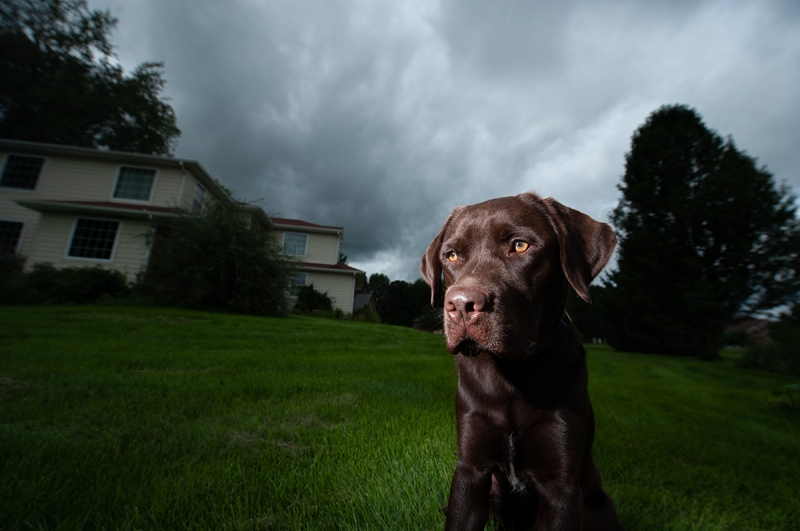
x=60, y=83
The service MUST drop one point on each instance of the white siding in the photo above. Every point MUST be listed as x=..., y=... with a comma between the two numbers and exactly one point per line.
x=68, y=179
x=53, y=238
x=14, y=212
x=340, y=288
x=11, y=211
x=322, y=248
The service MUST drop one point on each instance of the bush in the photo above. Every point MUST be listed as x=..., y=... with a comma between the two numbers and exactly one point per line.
x=46, y=284
x=782, y=353
x=366, y=315
x=216, y=261
x=738, y=338
x=310, y=300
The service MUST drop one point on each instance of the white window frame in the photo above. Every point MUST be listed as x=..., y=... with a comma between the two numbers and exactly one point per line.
x=304, y=279
x=21, y=233
x=134, y=201
x=38, y=178
x=305, y=248
x=113, y=248
x=201, y=201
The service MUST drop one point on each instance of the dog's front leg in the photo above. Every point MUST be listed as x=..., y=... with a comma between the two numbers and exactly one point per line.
x=468, y=505
x=560, y=509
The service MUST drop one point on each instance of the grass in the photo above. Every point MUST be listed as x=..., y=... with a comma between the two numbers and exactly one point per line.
x=150, y=418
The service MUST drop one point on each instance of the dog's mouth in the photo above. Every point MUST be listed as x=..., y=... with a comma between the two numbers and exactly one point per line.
x=468, y=347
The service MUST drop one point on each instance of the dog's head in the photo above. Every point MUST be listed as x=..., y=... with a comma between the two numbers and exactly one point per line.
x=508, y=264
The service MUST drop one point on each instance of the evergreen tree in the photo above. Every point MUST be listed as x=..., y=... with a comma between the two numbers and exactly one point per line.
x=59, y=84
x=705, y=236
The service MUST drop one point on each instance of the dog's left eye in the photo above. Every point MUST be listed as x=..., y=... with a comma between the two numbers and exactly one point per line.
x=520, y=246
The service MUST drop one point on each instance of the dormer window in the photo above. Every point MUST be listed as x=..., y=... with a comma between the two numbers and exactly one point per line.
x=295, y=243
x=21, y=172
x=134, y=184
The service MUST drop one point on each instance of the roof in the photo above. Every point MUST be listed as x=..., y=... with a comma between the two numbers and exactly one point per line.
x=38, y=148
x=361, y=300
x=284, y=223
x=98, y=208
x=335, y=268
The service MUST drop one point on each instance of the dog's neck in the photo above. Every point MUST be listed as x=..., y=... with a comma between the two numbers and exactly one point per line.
x=560, y=325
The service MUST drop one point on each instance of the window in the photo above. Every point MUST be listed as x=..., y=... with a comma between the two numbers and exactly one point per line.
x=10, y=235
x=135, y=184
x=198, y=199
x=297, y=281
x=21, y=172
x=93, y=238
x=294, y=243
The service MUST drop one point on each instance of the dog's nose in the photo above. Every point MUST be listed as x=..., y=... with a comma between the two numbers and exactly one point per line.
x=464, y=303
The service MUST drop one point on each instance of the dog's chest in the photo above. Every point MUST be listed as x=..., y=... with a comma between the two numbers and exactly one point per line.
x=509, y=466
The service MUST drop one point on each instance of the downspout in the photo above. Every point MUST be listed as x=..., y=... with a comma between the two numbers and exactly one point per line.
x=183, y=183
x=149, y=247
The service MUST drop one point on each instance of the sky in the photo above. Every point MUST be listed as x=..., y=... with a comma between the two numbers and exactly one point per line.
x=382, y=116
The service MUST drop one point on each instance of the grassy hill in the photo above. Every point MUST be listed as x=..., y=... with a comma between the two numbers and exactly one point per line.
x=150, y=418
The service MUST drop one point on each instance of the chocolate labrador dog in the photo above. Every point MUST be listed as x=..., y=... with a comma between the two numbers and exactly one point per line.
x=524, y=421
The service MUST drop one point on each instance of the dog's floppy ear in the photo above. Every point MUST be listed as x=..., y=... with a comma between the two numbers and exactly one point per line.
x=431, y=266
x=586, y=245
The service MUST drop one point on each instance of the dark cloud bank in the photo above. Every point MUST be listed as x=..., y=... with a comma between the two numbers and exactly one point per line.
x=382, y=116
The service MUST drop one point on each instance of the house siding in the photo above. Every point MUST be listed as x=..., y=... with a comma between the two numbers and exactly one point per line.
x=53, y=240
x=14, y=212
x=321, y=248
x=340, y=288
x=71, y=179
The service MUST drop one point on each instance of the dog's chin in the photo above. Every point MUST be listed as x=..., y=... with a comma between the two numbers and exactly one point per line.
x=471, y=348
x=467, y=347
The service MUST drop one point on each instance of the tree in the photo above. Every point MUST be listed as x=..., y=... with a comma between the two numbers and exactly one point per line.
x=398, y=302
x=60, y=86
x=705, y=236
x=216, y=261
x=404, y=301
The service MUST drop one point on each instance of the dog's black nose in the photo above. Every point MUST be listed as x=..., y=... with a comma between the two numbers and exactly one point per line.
x=464, y=303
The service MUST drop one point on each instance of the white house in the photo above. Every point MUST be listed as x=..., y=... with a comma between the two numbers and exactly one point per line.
x=314, y=252
x=73, y=206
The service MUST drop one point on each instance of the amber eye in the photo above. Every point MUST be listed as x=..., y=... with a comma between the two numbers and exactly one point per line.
x=452, y=256
x=520, y=246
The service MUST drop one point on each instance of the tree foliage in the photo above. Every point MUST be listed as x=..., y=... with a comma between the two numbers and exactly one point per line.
x=216, y=261
x=705, y=236
x=60, y=84
x=398, y=302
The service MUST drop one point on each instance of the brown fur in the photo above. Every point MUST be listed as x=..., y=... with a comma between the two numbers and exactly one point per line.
x=524, y=420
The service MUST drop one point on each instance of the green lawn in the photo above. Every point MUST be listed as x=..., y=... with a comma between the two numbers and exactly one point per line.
x=149, y=418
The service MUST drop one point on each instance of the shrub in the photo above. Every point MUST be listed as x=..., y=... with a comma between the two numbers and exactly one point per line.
x=782, y=352
x=217, y=261
x=310, y=300
x=738, y=338
x=366, y=315
x=46, y=284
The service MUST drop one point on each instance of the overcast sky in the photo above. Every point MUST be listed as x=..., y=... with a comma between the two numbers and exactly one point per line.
x=381, y=116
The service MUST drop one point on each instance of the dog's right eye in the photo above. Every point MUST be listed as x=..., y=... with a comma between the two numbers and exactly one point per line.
x=452, y=256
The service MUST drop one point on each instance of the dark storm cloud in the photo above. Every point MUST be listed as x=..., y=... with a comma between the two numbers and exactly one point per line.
x=382, y=116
